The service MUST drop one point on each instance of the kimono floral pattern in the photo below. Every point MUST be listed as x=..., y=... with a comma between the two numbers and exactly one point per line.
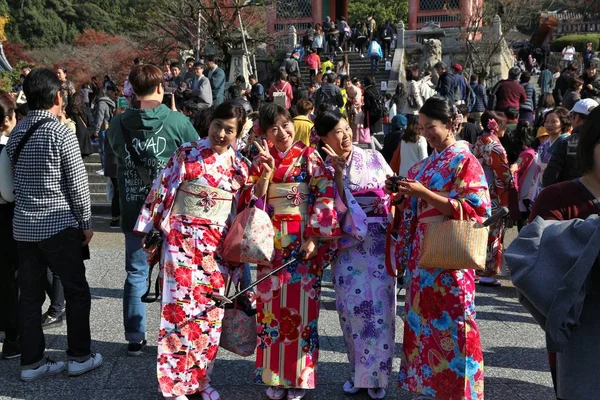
x=191, y=265
x=442, y=354
x=288, y=302
x=493, y=159
x=365, y=292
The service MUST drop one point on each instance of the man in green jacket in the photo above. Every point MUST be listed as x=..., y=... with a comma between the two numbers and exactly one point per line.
x=155, y=132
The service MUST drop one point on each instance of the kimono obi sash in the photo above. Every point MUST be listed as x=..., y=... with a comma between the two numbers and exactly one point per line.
x=289, y=199
x=201, y=201
x=373, y=202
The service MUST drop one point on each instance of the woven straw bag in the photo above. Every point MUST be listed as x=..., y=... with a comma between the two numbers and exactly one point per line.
x=454, y=244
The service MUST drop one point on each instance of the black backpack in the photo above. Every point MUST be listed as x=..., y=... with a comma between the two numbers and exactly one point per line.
x=378, y=110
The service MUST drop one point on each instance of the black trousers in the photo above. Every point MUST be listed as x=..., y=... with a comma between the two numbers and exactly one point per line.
x=115, y=208
x=63, y=253
x=54, y=290
x=8, y=275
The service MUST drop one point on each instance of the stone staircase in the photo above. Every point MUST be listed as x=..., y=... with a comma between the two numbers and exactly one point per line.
x=359, y=67
x=97, y=183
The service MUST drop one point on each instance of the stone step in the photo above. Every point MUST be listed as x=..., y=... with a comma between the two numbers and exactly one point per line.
x=92, y=167
x=93, y=158
x=97, y=188
x=98, y=198
x=95, y=178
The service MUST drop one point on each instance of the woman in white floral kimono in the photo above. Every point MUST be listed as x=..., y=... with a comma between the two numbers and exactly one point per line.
x=365, y=289
x=191, y=202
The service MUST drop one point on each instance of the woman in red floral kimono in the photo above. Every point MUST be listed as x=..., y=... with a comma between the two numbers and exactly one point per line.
x=191, y=202
x=299, y=190
x=442, y=356
x=493, y=159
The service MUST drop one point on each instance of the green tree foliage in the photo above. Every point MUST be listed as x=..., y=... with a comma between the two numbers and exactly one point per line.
x=382, y=10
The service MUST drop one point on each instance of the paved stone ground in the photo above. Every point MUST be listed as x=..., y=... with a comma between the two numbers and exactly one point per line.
x=515, y=359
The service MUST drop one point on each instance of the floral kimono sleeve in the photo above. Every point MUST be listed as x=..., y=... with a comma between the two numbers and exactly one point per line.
x=161, y=196
x=469, y=189
x=247, y=191
x=322, y=216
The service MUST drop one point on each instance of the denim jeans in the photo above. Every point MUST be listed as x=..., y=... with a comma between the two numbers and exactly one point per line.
x=62, y=252
x=374, y=64
x=136, y=266
x=246, y=276
x=101, y=145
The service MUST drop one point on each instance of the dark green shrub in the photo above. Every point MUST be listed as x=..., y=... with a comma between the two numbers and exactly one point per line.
x=578, y=40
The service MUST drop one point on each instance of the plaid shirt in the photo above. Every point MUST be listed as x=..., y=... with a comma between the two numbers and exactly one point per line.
x=51, y=185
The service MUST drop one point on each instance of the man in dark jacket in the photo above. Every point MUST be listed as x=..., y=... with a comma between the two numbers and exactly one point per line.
x=329, y=93
x=591, y=82
x=563, y=165
x=481, y=100
x=446, y=86
x=155, y=133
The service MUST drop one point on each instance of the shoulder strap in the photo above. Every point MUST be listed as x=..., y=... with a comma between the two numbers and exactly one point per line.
x=26, y=138
x=595, y=200
x=135, y=156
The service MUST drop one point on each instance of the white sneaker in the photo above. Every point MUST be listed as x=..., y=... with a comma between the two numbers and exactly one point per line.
x=100, y=172
x=80, y=368
x=48, y=368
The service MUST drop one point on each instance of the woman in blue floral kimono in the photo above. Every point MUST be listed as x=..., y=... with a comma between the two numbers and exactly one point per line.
x=442, y=356
x=365, y=291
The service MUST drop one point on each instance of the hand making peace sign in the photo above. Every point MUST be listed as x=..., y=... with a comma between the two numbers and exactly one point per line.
x=265, y=157
x=338, y=162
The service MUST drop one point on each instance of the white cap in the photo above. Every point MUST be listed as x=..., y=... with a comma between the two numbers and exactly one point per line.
x=584, y=106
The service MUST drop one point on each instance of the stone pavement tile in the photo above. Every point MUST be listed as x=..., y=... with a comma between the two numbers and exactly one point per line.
x=133, y=373
x=141, y=393
x=527, y=391
x=56, y=394
x=232, y=369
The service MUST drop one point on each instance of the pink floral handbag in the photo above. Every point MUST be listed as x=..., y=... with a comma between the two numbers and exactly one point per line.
x=238, y=333
x=250, y=238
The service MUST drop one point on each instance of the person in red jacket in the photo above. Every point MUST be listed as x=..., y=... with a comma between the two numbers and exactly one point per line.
x=509, y=92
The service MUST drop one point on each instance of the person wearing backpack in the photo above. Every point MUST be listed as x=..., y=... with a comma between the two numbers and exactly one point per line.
x=414, y=99
x=329, y=93
x=281, y=85
x=375, y=54
x=481, y=101
x=143, y=138
x=374, y=106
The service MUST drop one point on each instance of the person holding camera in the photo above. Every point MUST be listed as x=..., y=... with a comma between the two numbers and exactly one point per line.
x=142, y=138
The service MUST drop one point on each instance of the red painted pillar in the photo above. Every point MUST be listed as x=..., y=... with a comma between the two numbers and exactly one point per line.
x=333, y=10
x=317, y=11
x=413, y=10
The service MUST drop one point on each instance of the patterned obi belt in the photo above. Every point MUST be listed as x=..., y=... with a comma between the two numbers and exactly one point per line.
x=373, y=202
x=289, y=200
x=201, y=201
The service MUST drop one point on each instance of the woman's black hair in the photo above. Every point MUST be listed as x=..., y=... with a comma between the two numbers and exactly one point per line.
x=589, y=138
x=524, y=135
x=7, y=106
x=326, y=121
x=370, y=80
x=231, y=109
x=201, y=121
x=412, y=131
x=499, y=117
x=269, y=113
x=438, y=108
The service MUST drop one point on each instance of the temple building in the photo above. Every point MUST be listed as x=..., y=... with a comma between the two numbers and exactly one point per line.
x=447, y=13
x=302, y=13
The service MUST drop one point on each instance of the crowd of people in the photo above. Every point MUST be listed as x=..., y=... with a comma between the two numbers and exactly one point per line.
x=185, y=153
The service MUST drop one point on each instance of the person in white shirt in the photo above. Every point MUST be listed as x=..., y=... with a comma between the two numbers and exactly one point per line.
x=568, y=53
x=413, y=147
